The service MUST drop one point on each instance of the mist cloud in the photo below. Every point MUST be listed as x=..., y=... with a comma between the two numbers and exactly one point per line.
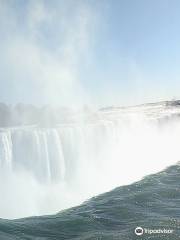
x=42, y=49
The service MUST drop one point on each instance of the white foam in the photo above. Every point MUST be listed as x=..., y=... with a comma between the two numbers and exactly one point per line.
x=46, y=170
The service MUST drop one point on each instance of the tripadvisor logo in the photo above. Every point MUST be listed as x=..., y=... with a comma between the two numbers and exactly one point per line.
x=140, y=231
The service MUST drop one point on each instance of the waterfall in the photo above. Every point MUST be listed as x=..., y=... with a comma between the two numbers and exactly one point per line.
x=5, y=150
x=44, y=170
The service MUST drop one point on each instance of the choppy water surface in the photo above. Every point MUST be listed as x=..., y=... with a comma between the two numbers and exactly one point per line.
x=44, y=171
x=153, y=203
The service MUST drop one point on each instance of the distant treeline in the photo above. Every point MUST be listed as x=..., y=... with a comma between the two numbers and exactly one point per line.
x=23, y=114
x=27, y=114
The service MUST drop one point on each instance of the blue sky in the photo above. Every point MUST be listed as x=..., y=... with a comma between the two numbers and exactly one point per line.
x=103, y=52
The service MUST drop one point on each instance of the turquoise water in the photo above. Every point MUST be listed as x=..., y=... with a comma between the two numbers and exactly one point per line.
x=152, y=203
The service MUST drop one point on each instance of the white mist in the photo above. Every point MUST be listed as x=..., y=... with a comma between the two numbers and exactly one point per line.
x=46, y=170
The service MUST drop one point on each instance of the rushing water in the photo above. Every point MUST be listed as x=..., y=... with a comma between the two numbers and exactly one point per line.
x=45, y=170
x=153, y=203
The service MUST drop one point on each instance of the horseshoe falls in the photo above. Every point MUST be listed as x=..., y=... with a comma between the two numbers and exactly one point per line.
x=47, y=169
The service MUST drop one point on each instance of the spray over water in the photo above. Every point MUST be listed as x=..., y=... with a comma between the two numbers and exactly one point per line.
x=45, y=170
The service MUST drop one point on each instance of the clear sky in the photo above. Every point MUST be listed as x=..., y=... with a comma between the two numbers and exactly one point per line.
x=99, y=52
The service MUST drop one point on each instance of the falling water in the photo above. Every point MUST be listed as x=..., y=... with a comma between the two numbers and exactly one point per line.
x=44, y=170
